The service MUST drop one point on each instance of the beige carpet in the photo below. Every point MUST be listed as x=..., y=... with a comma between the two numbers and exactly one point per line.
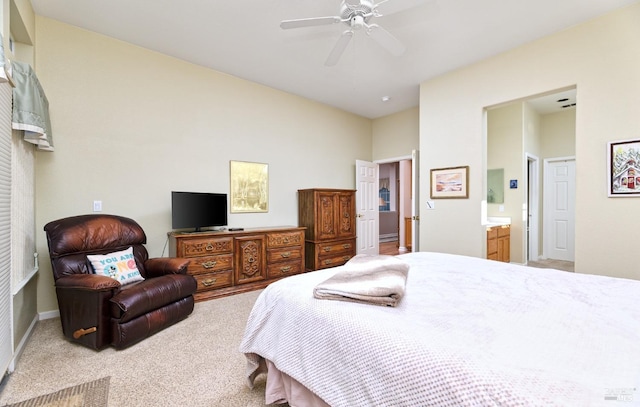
x=90, y=394
x=193, y=363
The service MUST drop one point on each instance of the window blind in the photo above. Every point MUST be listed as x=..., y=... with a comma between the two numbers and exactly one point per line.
x=6, y=342
x=22, y=212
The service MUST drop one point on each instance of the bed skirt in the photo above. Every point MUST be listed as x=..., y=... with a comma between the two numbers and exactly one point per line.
x=282, y=388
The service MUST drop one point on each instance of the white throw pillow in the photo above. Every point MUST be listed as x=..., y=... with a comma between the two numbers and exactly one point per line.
x=120, y=266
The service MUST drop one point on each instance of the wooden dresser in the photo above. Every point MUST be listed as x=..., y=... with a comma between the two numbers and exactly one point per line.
x=329, y=216
x=499, y=243
x=231, y=262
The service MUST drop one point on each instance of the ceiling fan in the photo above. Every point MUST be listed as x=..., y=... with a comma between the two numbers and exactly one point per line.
x=357, y=15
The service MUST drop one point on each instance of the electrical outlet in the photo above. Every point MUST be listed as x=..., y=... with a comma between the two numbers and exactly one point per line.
x=97, y=206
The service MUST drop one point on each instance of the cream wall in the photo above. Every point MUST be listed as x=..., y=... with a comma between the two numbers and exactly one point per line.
x=602, y=58
x=558, y=132
x=396, y=135
x=504, y=150
x=130, y=125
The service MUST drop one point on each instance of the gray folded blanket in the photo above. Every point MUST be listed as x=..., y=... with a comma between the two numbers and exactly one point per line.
x=378, y=280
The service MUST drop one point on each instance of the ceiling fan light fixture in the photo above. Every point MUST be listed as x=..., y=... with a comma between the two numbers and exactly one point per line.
x=357, y=22
x=386, y=98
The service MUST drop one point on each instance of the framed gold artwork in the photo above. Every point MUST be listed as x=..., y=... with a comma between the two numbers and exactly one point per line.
x=452, y=182
x=249, y=187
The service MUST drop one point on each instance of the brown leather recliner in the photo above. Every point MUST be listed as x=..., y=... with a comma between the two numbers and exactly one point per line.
x=97, y=310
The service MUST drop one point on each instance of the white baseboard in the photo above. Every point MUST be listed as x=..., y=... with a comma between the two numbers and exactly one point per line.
x=389, y=237
x=48, y=315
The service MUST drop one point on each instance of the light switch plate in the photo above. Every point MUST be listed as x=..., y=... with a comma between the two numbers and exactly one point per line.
x=431, y=204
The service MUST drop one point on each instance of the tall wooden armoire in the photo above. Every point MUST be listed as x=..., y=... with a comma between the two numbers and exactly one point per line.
x=329, y=216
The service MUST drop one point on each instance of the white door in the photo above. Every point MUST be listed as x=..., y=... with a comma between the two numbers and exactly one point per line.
x=415, y=201
x=559, y=208
x=367, y=210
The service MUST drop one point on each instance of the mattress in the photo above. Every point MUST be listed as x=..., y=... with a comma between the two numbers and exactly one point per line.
x=468, y=331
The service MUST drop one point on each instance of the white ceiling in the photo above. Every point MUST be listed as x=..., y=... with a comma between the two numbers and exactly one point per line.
x=244, y=39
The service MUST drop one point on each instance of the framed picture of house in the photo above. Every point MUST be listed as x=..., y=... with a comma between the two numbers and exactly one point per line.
x=450, y=182
x=249, y=187
x=624, y=168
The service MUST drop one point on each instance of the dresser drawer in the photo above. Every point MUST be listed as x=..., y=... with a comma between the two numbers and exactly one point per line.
x=199, y=265
x=210, y=281
x=206, y=246
x=335, y=248
x=284, y=239
x=284, y=254
x=284, y=269
x=333, y=261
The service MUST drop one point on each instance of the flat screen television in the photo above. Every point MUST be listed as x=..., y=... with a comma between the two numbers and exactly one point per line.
x=197, y=210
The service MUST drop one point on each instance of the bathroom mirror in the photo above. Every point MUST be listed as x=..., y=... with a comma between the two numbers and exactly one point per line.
x=495, y=186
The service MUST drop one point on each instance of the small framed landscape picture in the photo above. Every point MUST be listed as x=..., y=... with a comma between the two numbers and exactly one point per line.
x=624, y=168
x=452, y=182
x=249, y=187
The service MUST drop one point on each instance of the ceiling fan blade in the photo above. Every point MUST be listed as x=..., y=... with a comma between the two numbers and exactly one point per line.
x=309, y=22
x=386, y=40
x=339, y=48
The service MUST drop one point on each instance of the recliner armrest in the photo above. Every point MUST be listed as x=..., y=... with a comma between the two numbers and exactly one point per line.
x=165, y=265
x=92, y=282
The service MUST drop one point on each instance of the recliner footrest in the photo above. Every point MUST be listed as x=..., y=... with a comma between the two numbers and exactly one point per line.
x=150, y=294
x=131, y=332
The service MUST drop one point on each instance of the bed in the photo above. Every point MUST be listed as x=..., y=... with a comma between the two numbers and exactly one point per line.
x=467, y=331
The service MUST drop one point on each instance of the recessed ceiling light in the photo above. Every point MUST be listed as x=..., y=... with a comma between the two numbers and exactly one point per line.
x=386, y=98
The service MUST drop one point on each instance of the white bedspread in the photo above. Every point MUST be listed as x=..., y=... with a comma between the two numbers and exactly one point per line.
x=468, y=332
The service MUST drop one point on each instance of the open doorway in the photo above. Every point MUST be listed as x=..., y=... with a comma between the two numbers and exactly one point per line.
x=395, y=199
x=520, y=136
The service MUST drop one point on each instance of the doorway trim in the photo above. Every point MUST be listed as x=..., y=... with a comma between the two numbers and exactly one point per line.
x=532, y=226
x=413, y=160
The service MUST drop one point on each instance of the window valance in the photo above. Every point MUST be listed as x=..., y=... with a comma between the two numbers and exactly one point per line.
x=30, y=107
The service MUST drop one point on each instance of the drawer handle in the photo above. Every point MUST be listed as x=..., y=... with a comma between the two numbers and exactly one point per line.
x=209, y=282
x=346, y=246
x=209, y=247
x=285, y=240
x=346, y=258
x=285, y=269
x=327, y=249
x=328, y=261
x=209, y=264
x=286, y=255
